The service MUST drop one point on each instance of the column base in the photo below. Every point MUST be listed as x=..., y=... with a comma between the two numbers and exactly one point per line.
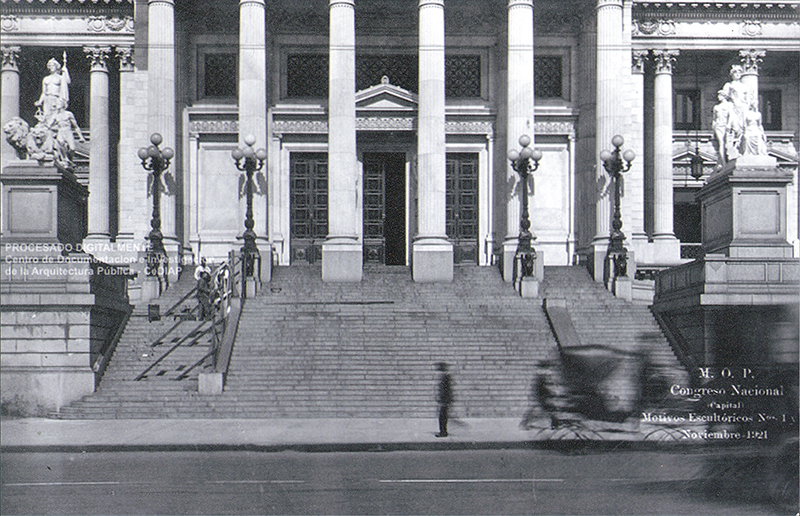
x=432, y=261
x=666, y=250
x=342, y=260
x=99, y=246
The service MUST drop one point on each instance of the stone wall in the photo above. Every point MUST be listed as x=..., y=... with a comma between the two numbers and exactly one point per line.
x=56, y=319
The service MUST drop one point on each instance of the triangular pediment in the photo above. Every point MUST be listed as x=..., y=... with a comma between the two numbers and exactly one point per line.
x=385, y=97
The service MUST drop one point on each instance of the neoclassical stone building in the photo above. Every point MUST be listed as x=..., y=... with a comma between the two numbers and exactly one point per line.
x=387, y=123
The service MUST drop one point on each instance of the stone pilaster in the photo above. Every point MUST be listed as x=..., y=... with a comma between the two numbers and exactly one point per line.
x=667, y=246
x=609, y=60
x=433, y=254
x=99, y=181
x=750, y=60
x=342, y=251
x=520, y=111
x=253, y=102
x=161, y=119
x=134, y=207
x=634, y=191
x=10, y=96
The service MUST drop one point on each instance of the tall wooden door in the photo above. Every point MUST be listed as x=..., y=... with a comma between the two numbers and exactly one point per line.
x=308, y=220
x=462, y=206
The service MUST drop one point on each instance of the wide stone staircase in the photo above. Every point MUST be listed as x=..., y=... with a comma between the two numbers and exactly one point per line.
x=155, y=366
x=307, y=349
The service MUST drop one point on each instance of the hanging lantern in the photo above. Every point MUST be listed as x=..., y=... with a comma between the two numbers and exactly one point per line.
x=697, y=165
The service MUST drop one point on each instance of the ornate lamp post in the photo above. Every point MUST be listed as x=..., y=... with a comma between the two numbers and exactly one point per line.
x=249, y=161
x=615, y=166
x=524, y=162
x=156, y=160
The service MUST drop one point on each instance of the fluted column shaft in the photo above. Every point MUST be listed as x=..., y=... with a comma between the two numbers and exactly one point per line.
x=520, y=109
x=253, y=92
x=431, y=122
x=662, y=145
x=161, y=94
x=99, y=162
x=341, y=253
x=609, y=45
x=433, y=253
x=9, y=77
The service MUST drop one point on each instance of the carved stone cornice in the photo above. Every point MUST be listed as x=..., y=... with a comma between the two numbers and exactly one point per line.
x=213, y=126
x=10, y=58
x=638, y=59
x=103, y=24
x=9, y=23
x=125, y=56
x=750, y=60
x=98, y=58
x=717, y=10
x=664, y=60
x=653, y=27
x=566, y=128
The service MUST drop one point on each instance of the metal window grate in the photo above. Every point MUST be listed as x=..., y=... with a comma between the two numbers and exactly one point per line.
x=547, y=76
x=219, y=75
x=462, y=76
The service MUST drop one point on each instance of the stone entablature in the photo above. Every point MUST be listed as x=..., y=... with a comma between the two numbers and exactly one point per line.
x=776, y=24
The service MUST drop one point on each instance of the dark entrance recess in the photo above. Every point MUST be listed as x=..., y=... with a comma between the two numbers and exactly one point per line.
x=462, y=207
x=385, y=208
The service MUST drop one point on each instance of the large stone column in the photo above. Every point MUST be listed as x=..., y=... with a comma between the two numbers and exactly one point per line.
x=10, y=97
x=667, y=247
x=520, y=107
x=253, y=108
x=433, y=254
x=161, y=105
x=99, y=181
x=750, y=61
x=609, y=55
x=342, y=251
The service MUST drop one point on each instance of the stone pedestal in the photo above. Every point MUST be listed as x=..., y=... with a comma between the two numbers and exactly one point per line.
x=432, y=261
x=42, y=204
x=738, y=304
x=744, y=209
x=342, y=260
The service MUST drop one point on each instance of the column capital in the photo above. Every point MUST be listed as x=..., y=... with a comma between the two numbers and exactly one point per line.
x=638, y=58
x=750, y=60
x=171, y=3
x=664, y=60
x=10, y=58
x=609, y=3
x=257, y=2
x=519, y=3
x=431, y=3
x=125, y=56
x=342, y=3
x=98, y=57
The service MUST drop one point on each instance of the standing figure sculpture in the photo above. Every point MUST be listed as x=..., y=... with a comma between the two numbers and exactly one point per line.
x=737, y=121
x=55, y=87
x=723, y=116
x=65, y=127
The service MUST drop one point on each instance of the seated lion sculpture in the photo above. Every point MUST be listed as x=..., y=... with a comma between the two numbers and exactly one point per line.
x=16, y=131
x=40, y=143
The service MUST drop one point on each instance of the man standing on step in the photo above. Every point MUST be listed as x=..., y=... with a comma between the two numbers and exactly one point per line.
x=444, y=397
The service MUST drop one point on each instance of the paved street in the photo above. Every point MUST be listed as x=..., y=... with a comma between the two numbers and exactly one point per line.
x=519, y=481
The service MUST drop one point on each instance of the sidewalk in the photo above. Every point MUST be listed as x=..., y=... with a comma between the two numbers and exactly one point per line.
x=303, y=434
